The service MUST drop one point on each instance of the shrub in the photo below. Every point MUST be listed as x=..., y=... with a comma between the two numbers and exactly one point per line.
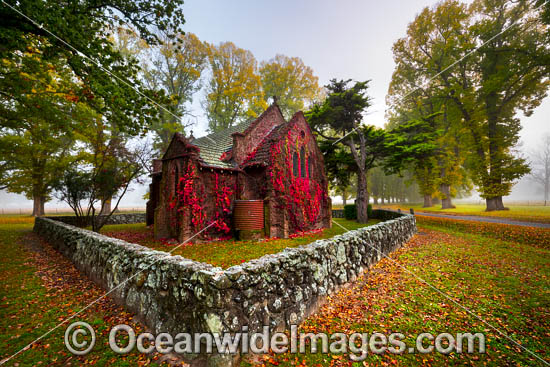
x=350, y=212
x=369, y=211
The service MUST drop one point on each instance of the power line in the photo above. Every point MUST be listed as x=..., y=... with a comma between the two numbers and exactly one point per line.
x=450, y=299
x=447, y=68
x=81, y=54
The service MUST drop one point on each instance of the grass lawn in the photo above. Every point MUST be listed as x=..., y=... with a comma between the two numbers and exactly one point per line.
x=39, y=288
x=224, y=253
x=506, y=283
x=497, y=276
x=518, y=212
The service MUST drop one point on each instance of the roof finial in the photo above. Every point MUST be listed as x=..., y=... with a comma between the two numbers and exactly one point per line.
x=191, y=137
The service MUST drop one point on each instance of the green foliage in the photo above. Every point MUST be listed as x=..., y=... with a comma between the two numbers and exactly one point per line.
x=412, y=144
x=339, y=164
x=40, y=115
x=343, y=109
x=233, y=93
x=74, y=187
x=369, y=210
x=176, y=69
x=291, y=81
x=338, y=120
x=85, y=25
x=480, y=92
x=51, y=93
x=108, y=166
x=350, y=211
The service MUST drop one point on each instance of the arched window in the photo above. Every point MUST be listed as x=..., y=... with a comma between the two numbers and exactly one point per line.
x=303, y=162
x=295, y=164
x=176, y=178
x=309, y=167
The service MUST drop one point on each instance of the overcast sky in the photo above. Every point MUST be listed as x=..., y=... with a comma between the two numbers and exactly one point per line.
x=347, y=39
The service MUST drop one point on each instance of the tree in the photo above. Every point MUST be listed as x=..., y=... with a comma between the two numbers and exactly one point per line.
x=40, y=114
x=414, y=96
x=376, y=181
x=233, y=92
x=512, y=79
x=74, y=188
x=339, y=166
x=176, y=69
x=292, y=82
x=84, y=26
x=341, y=114
x=545, y=13
x=109, y=168
x=540, y=168
x=488, y=85
x=413, y=145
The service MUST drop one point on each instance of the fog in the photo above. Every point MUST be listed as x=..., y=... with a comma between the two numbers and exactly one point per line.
x=346, y=39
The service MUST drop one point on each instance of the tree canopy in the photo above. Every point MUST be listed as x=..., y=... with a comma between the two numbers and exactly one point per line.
x=233, y=93
x=291, y=82
x=479, y=65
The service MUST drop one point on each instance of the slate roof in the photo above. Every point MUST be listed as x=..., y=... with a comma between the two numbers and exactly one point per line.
x=212, y=146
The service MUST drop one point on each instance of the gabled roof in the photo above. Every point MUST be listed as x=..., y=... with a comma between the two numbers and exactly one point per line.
x=178, y=145
x=262, y=154
x=212, y=146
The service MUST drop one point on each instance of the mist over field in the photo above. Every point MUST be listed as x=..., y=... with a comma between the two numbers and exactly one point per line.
x=354, y=46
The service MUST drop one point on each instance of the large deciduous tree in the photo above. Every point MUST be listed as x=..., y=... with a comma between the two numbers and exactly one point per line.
x=84, y=28
x=40, y=111
x=233, y=92
x=484, y=87
x=291, y=81
x=177, y=69
x=59, y=68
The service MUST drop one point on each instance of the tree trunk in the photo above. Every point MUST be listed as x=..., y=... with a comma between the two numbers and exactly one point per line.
x=427, y=201
x=546, y=188
x=446, y=202
x=382, y=200
x=375, y=199
x=491, y=204
x=362, y=197
x=344, y=196
x=105, y=207
x=495, y=203
x=38, y=206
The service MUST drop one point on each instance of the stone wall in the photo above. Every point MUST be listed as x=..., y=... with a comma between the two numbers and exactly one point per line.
x=129, y=218
x=174, y=294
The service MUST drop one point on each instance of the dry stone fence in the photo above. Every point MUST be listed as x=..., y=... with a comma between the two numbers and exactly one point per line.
x=173, y=294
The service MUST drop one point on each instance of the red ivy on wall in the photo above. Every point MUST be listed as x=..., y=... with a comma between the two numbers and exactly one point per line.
x=225, y=155
x=223, y=204
x=302, y=197
x=186, y=198
x=188, y=203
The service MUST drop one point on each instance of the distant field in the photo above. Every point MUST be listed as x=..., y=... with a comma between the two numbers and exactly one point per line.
x=529, y=213
x=60, y=211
